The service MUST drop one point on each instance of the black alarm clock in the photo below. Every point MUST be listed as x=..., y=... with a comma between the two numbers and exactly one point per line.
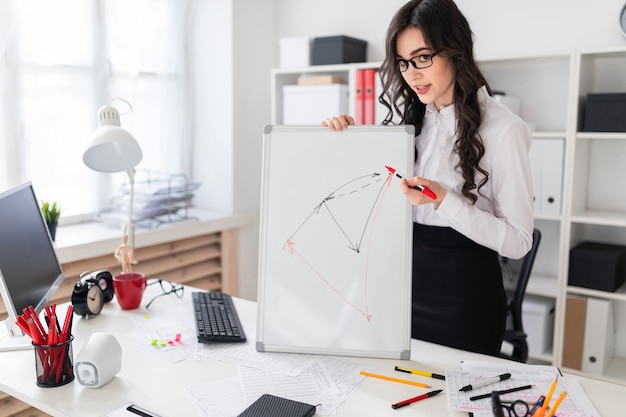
x=87, y=299
x=104, y=279
x=91, y=292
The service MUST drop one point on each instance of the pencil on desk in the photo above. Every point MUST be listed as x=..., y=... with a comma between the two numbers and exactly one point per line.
x=392, y=379
x=556, y=404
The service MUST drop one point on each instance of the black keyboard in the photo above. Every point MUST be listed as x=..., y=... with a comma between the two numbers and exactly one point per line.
x=216, y=318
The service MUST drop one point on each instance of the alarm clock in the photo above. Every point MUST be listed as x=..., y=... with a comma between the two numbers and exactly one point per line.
x=87, y=299
x=104, y=279
x=91, y=292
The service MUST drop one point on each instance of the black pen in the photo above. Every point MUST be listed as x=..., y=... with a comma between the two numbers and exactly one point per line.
x=415, y=399
x=486, y=381
x=505, y=391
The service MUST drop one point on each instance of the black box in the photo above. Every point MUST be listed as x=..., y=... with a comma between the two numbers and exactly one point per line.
x=338, y=50
x=599, y=266
x=605, y=113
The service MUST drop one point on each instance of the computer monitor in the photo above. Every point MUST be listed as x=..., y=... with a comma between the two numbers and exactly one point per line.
x=29, y=269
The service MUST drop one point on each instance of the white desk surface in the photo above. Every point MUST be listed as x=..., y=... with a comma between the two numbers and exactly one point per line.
x=155, y=383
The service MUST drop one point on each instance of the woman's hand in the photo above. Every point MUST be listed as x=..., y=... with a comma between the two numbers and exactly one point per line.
x=416, y=197
x=340, y=122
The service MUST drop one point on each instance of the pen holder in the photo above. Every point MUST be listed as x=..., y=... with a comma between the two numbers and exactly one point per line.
x=54, y=364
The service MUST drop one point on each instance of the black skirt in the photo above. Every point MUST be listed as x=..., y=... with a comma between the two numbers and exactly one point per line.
x=458, y=295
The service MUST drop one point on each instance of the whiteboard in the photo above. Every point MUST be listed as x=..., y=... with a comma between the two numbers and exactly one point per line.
x=335, y=242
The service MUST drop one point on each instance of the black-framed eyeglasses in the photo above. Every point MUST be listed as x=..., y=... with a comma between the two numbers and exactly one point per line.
x=167, y=287
x=517, y=408
x=419, y=62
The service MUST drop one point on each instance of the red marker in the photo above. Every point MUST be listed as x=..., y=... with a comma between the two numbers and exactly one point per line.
x=415, y=399
x=424, y=190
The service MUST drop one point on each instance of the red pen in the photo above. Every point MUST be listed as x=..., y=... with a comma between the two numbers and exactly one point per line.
x=415, y=399
x=424, y=190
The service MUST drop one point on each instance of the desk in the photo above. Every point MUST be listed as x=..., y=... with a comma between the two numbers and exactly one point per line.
x=155, y=383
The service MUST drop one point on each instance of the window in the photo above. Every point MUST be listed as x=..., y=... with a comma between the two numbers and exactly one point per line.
x=64, y=59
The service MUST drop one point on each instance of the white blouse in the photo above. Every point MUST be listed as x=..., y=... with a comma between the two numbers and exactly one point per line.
x=502, y=218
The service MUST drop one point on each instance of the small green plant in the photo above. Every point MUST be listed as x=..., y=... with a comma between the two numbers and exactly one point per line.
x=51, y=212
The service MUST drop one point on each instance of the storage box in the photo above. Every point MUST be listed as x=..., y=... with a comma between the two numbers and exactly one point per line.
x=295, y=52
x=338, y=50
x=538, y=321
x=310, y=104
x=605, y=113
x=600, y=266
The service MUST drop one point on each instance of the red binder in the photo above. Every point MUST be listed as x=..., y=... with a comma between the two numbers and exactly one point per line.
x=358, y=94
x=369, y=99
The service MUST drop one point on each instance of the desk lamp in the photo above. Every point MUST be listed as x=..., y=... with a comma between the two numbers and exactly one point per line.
x=113, y=149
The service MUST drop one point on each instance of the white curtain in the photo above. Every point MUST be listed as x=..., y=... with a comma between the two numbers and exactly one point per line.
x=61, y=61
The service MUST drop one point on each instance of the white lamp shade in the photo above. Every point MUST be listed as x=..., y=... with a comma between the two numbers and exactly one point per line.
x=111, y=148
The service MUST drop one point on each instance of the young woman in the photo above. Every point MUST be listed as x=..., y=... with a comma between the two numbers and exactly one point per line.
x=472, y=152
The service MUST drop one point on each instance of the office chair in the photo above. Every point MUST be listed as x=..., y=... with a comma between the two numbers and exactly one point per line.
x=516, y=273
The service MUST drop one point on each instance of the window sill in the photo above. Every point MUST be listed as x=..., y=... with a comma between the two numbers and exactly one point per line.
x=80, y=241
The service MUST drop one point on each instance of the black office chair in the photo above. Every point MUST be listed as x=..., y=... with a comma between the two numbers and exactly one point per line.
x=516, y=273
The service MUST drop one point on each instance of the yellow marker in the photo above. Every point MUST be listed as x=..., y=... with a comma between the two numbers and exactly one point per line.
x=388, y=378
x=418, y=372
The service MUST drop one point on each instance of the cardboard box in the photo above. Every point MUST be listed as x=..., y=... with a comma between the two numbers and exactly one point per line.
x=295, y=52
x=538, y=320
x=600, y=266
x=310, y=104
x=605, y=113
x=338, y=50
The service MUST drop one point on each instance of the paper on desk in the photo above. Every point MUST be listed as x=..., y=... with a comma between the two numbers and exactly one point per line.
x=327, y=382
x=170, y=333
x=291, y=364
x=222, y=398
x=576, y=404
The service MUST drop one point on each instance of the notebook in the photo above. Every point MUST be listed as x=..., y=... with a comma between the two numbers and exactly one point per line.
x=271, y=406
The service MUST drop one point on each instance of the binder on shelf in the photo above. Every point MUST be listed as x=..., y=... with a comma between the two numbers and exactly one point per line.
x=369, y=99
x=599, y=345
x=380, y=111
x=574, y=332
x=536, y=169
x=553, y=176
x=546, y=164
x=358, y=97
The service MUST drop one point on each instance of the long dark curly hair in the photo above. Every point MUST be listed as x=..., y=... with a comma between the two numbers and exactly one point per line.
x=444, y=28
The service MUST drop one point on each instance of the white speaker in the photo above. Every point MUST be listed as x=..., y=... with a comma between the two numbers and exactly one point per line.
x=98, y=361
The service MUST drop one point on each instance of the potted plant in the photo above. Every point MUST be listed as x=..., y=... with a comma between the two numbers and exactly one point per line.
x=51, y=213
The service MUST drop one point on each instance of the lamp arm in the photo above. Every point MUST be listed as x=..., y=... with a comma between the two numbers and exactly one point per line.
x=130, y=226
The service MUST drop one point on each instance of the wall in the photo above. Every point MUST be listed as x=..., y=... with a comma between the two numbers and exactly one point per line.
x=233, y=50
x=503, y=28
x=241, y=37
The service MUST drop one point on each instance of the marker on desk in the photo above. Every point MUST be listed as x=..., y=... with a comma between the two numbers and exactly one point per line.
x=416, y=372
x=415, y=399
x=424, y=190
x=486, y=381
x=506, y=391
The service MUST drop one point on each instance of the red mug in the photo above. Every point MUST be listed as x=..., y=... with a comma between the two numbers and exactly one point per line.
x=129, y=289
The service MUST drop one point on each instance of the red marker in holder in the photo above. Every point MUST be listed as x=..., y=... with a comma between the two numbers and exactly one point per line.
x=424, y=190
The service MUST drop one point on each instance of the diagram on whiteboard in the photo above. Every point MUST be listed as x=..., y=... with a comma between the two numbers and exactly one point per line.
x=351, y=212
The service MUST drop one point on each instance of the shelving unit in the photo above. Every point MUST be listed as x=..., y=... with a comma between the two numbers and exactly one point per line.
x=553, y=90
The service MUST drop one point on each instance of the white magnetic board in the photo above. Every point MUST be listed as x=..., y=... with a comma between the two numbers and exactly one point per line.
x=335, y=242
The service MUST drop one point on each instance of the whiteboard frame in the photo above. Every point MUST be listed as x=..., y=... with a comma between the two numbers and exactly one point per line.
x=387, y=334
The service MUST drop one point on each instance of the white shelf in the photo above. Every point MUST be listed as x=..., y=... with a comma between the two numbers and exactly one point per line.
x=619, y=295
